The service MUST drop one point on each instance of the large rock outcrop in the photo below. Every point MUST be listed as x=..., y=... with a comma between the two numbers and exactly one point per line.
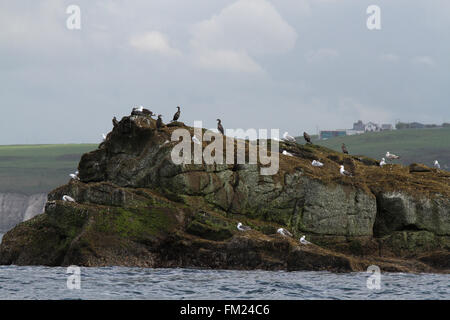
x=136, y=207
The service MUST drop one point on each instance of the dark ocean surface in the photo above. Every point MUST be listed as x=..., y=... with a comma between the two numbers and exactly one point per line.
x=140, y=283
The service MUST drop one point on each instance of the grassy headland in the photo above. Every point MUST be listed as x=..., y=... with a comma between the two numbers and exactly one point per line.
x=29, y=169
x=413, y=145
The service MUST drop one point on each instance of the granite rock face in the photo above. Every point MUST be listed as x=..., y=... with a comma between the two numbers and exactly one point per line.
x=136, y=207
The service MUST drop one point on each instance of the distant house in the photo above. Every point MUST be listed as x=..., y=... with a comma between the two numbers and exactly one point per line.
x=327, y=134
x=372, y=127
x=387, y=127
x=359, y=126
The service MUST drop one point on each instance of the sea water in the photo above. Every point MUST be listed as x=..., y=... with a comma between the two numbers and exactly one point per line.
x=145, y=283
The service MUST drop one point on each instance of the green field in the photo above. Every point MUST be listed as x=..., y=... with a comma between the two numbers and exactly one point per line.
x=412, y=145
x=29, y=169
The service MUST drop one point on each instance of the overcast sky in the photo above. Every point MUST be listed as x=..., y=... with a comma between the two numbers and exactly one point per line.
x=290, y=64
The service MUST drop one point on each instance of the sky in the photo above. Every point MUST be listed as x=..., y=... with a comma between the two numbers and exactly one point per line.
x=294, y=65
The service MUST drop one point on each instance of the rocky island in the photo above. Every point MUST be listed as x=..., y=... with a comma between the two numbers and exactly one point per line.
x=135, y=207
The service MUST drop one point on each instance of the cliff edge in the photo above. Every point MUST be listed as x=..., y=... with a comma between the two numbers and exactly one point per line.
x=135, y=207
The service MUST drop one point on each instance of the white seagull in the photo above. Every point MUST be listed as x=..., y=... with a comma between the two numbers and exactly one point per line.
x=304, y=241
x=138, y=109
x=382, y=162
x=316, y=163
x=68, y=198
x=391, y=156
x=195, y=139
x=104, y=136
x=241, y=227
x=344, y=172
x=74, y=176
x=284, y=232
x=287, y=137
x=287, y=153
x=436, y=164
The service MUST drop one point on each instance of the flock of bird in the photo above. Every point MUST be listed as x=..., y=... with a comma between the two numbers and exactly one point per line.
x=282, y=231
x=316, y=163
x=286, y=137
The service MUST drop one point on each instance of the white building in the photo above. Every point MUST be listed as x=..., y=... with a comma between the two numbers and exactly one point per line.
x=372, y=127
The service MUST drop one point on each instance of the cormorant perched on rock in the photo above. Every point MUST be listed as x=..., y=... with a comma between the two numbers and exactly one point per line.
x=147, y=112
x=344, y=149
x=115, y=122
x=159, y=122
x=219, y=126
x=307, y=137
x=177, y=114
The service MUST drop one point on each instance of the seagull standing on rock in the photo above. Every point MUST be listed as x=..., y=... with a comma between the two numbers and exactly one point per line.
x=304, y=241
x=284, y=232
x=74, y=176
x=391, y=156
x=287, y=153
x=344, y=172
x=241, y=227
x=316, y=163
x=67, y=198
x=436, y=164
x=137, y=111
x=287, y=137
x=383, y=162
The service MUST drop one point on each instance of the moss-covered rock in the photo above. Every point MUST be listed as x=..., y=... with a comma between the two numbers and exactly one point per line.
x=135, y=207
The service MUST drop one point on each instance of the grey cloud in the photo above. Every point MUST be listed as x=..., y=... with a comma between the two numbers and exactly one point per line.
x=62, y=86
